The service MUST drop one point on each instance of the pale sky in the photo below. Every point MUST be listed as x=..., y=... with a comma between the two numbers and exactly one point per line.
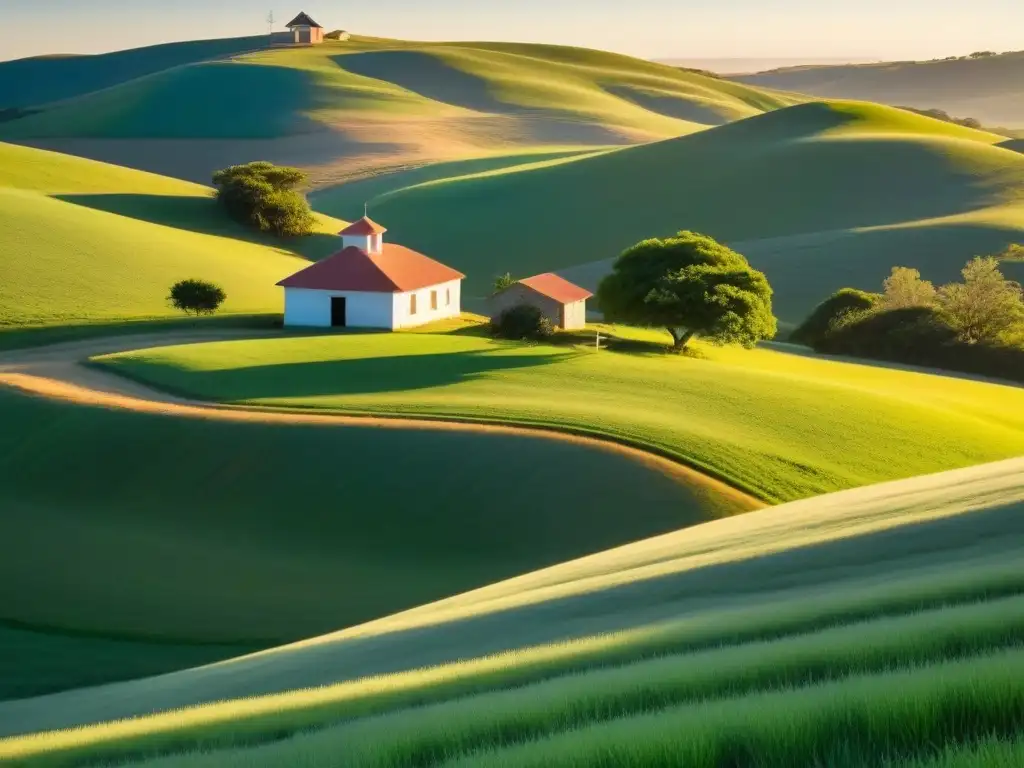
x=876, y=29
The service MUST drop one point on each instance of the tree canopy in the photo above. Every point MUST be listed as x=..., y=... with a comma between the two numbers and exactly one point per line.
x=196, y=297
x=691, y=285
x=265, y=196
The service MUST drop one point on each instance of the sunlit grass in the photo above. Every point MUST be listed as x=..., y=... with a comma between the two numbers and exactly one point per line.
x=714, y=653
x=779, y=426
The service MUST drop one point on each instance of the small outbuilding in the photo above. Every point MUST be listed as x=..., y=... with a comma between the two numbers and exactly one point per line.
x=305, y=31
x=371, y=284
x=561, y=302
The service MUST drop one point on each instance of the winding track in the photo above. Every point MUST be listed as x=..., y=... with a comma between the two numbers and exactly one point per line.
x=57, y=372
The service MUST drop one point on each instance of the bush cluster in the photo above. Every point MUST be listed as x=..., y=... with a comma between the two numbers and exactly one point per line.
x=522, y=321
x=920, y=336
x=975, y=326
x=265, y=196
x=831, y=312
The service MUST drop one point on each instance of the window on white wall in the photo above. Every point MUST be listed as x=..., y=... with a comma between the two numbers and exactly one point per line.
x=447, y=297
x=433, y=300
x=412, y=304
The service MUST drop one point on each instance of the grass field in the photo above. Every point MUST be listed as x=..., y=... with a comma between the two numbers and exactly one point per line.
x=36, y=81
x=375, y=76
x=777, y=425
x=875, y=626
x=367, y=104
x=255, y=534
x=819, y=196
x=84, y=242
x=989, y=89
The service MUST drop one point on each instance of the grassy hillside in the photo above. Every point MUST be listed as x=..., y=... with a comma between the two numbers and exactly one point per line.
x=365, y=75
x=989, y=89
x=818, y=195
x=779, y=426
x=187, y=530
x=847, y=630
x=35, y=81
x=369, y=103
x=84, y=242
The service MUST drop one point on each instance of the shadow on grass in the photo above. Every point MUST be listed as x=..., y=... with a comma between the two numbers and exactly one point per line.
x=1016, y=145
x=202, y=215
x=346, y=200
x=669, y=106
x=374, y=375
x=21, y=338
x=619, y=607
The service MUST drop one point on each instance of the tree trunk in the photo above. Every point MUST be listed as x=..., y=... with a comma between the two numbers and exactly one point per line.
x=680, y=338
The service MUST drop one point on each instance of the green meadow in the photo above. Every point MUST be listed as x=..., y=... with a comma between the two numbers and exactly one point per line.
x=779, y=426
x=263, y=582
x=818, y=196
x=245, y=535
x=85, y=242
x=616, y=95
x=846, y=630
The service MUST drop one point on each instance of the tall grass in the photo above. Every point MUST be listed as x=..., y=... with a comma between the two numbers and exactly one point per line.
x=988, y=753
x=417, y=736
x=855, y=722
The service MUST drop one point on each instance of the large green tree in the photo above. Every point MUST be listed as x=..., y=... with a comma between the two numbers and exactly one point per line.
x=693, y=286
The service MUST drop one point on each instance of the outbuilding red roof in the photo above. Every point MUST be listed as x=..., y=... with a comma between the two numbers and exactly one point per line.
x=302, y=20
x=557, y=288
x=394, y=270
x=365, y=226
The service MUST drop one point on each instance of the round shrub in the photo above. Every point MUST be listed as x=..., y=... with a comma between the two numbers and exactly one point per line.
x=522, y=321
x=844, y=302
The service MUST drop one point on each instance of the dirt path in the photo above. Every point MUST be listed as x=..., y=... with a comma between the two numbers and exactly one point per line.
x=57, y=372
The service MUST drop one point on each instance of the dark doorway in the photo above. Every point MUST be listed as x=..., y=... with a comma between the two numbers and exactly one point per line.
x=338, y=311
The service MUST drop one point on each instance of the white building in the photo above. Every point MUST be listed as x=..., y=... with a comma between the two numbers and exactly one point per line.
x=371, y=284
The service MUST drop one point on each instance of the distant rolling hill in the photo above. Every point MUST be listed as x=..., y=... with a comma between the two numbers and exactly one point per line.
x=42, y=79
x=85, y=242
x=384, y=101
x=989, y=89
x=819, y=195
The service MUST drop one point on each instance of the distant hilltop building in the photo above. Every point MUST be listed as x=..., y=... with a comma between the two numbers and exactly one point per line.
x=304, y=30
x=371, y=284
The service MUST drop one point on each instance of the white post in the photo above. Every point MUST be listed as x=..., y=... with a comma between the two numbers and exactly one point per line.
x=597, y=339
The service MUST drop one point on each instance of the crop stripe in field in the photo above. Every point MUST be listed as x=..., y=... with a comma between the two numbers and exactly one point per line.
x=987, y=753
x=851, y=723
x=421, y=736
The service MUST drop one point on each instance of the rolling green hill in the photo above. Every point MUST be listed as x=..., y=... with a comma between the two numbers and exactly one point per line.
x=35, y=81
x=776, y=425
x=819, y=196
x=84, y=242
x=880, y=626
x=338, y=80
x=367, y=103
x=989, y=89
x=136, y=543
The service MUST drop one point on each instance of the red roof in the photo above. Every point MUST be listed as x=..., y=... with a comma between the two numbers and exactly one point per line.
x=365, y=226
x=395, y=270
x=557, y=288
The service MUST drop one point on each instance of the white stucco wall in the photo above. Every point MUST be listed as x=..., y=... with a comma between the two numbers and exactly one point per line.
x=424, y=314
x=312, y=308
x=576, y=315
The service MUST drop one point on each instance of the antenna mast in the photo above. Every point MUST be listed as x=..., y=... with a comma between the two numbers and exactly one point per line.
x=270, y=23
